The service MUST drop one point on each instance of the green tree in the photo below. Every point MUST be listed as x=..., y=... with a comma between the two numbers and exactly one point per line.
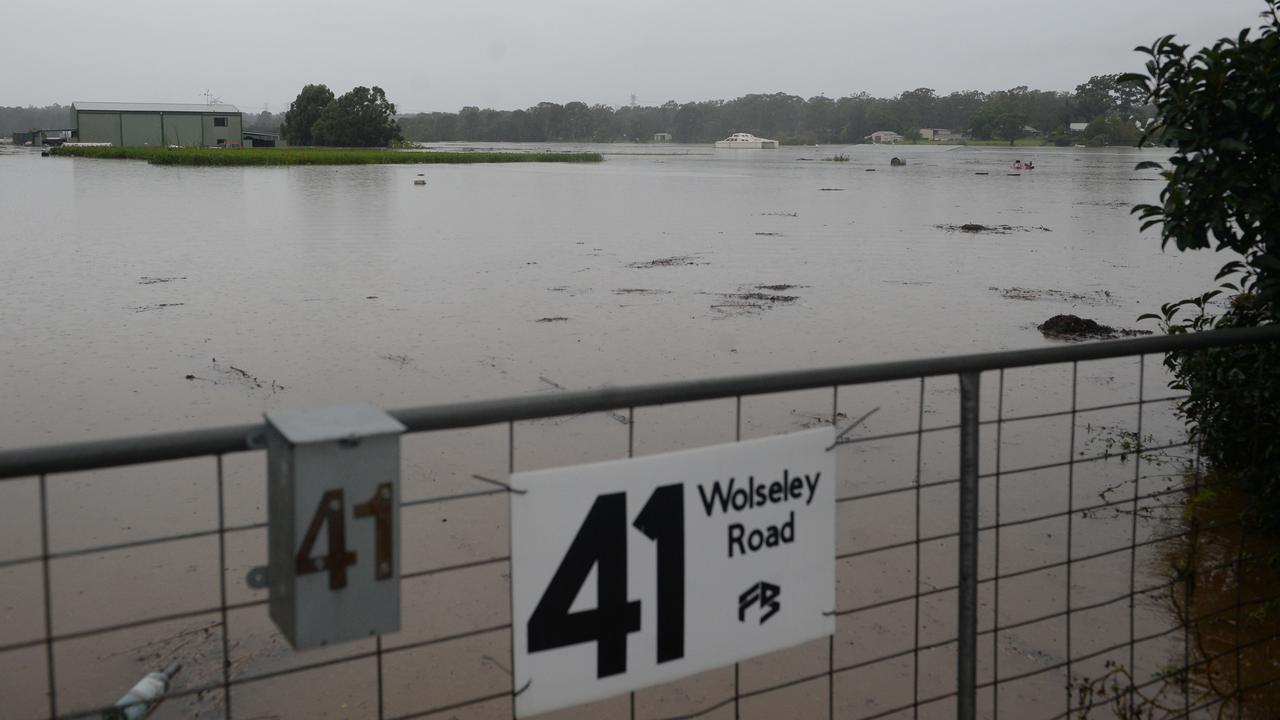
x=362, y=117
x=1217, y=110
x=1011, y=126
x=1107, y=96
x=303, y=113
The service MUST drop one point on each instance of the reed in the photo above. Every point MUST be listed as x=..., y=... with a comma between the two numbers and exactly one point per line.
x=221, y=157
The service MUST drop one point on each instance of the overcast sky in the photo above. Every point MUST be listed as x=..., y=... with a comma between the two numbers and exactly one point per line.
x=432, y=55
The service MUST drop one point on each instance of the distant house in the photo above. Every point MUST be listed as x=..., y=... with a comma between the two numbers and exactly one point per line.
x=1077, y=127
x=662, y=137
x=884, y=137
x=938, y=135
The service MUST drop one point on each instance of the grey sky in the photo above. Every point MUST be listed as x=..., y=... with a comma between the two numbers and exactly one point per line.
x=431, y=55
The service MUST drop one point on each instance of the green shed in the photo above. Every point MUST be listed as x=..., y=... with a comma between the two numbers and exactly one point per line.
x=157, y=124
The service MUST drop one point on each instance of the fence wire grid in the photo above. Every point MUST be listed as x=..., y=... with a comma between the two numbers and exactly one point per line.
x=1027, y=556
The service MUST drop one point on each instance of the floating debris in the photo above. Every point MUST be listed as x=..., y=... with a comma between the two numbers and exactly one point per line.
x=994, y=229
x=751, y=301
x=158, y=306
x=782, y=214
x=1097, y=297
x=148, y=280
x=551, y=319
x=831, y=189
x=640, y=291
x=673, y=261
x=781, y=287
x=770, y=234
x=401, y=360
x=1072, y=327
x=145, y=696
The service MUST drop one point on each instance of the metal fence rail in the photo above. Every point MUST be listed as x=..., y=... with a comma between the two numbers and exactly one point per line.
x=979, y=685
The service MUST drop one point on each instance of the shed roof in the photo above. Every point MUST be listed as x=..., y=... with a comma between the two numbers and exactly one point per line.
x=156, y=107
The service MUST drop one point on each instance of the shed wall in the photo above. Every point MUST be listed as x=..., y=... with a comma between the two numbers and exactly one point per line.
x=140, y=130
x=185, y=130
x=99, y=127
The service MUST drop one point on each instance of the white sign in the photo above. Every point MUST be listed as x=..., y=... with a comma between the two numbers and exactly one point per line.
x=632, y=573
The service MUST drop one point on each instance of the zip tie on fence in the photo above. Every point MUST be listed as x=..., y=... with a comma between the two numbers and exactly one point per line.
x=500, y=484
x=526, y=687
x=855, y=424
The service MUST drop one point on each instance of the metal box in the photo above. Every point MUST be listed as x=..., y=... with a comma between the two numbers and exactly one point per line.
x=333, y=512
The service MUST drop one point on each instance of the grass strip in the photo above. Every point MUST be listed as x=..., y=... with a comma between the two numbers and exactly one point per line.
x=225, y=157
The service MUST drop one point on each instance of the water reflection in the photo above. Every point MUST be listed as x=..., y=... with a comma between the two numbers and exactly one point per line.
x=1223, y=582
x=1228, y=594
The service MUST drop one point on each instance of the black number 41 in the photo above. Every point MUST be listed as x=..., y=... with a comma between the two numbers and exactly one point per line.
x=601, y=542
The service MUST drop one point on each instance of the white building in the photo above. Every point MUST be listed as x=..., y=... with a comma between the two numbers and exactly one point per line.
x=884, y=137
x=938, y=135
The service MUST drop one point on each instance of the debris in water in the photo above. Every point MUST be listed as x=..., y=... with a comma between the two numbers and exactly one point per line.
x=158, y=306
x=673, y=261
x=831, y=189
x=779, y=287
x=751, y=301
x=640, y=291
x=235, y=374
x=148, y=280
x=1097, y=297
x=551, y=319
x=782, y=214
x=1072, y=327
x=771, y=234
x=146, y=695
x=994, y=229
x=401, y=360
x=809, y=420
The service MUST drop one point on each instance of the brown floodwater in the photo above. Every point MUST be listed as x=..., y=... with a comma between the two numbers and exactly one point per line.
x=142, y=299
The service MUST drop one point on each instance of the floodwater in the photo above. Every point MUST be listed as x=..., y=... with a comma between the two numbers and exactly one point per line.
x=141, y=299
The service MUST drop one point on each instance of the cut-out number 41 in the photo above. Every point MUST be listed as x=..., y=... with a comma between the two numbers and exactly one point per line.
x=602, y=542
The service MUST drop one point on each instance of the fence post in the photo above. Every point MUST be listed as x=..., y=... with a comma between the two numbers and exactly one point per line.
x=967, y=653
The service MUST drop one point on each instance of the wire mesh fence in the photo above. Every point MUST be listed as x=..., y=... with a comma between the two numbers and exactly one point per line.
x=1013, y=538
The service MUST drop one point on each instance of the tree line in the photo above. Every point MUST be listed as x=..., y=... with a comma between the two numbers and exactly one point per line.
x=1108, y=106
x=364, y=117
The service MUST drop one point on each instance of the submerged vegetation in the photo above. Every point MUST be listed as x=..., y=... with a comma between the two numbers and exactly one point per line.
x=312, y=156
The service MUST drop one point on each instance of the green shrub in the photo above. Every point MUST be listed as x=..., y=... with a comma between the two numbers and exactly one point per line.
x=1218, y=111
x=311, y=156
